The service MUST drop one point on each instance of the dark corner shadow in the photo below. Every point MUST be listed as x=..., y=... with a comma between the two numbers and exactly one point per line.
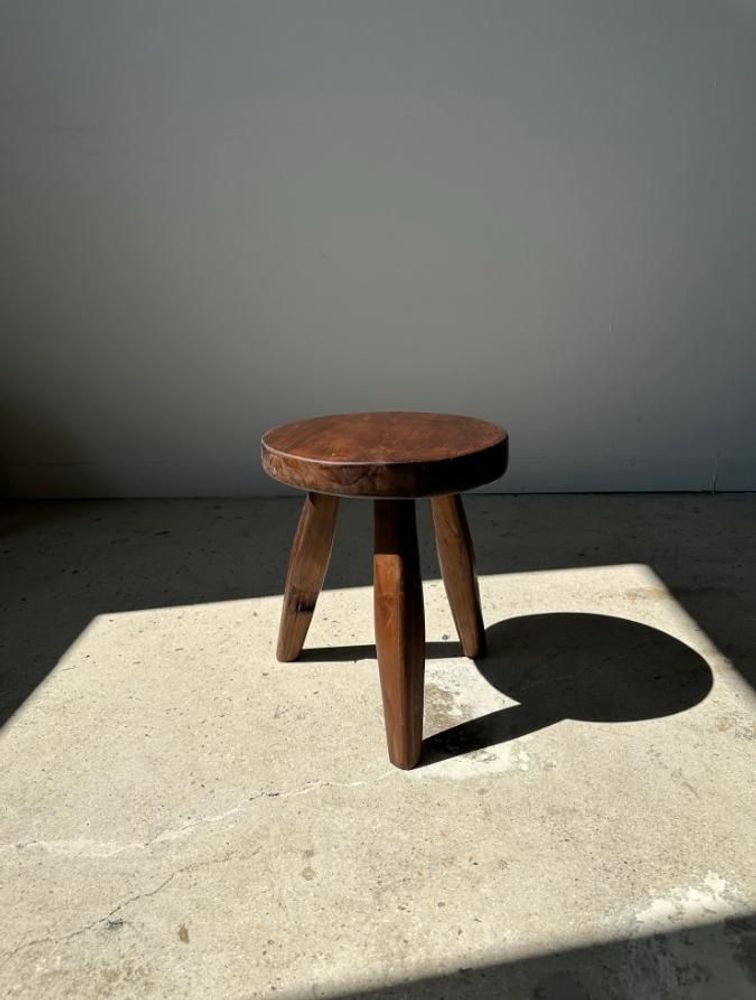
x=37, y=455
x=713, y=961
x=590, y=667
x=366, y=651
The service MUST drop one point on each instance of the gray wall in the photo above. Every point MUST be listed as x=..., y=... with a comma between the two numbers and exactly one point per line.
x=221, y=215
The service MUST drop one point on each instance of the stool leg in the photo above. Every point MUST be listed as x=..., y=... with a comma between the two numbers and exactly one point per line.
x=399, y=628
x=308, y=563
x=455, y=554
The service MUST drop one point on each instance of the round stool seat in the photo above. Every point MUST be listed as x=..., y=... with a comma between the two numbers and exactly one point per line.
x=390, y=454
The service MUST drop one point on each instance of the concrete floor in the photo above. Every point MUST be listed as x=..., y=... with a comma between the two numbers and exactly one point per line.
x=184, y=817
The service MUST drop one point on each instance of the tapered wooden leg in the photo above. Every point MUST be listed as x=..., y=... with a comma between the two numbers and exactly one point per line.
x=308, y=563
x=455, y=554
x=399, y=628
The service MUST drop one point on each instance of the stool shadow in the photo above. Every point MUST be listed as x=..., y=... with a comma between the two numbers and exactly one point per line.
x=366, y=651
x=588, y=667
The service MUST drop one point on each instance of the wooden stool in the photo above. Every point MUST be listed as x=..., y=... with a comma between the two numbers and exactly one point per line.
x=391, y=458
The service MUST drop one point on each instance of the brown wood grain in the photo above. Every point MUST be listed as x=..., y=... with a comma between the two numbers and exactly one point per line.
x=392, y=457
x=457, y=561
x=308, y=562
x=399, y=628
x=388, y=454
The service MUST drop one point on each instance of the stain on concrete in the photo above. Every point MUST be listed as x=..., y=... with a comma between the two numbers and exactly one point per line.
x=441, y=709
x=183, y=933
x=636, y=594
x=123, y=978
x=713, y=896
x=742, y=729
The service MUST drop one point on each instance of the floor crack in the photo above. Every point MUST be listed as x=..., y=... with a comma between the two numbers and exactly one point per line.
x=95, y=849
x=61, y=939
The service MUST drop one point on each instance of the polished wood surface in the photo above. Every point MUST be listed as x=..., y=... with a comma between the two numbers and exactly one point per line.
x=308, y=562
x=388, y=454
x=399, y=628
x=457, y=561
